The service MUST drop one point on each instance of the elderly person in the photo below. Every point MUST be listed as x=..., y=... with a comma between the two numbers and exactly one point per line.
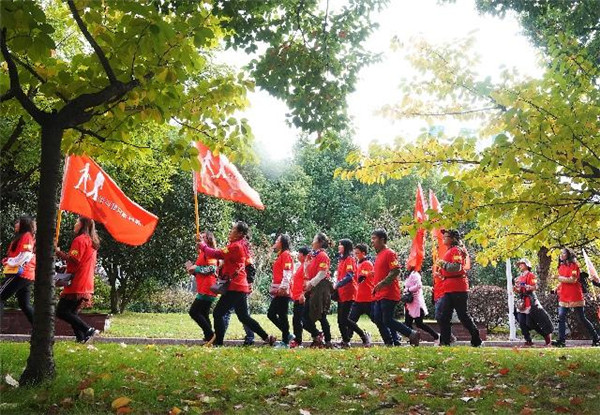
x=530, y=313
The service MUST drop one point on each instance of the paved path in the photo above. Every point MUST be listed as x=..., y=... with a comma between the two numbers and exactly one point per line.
x=198, y=342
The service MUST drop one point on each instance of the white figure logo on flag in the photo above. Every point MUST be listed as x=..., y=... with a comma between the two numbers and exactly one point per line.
x=85, y=176
x=98, y=183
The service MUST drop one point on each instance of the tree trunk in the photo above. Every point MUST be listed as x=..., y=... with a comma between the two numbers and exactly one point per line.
x=40, y=364
x=545, y=261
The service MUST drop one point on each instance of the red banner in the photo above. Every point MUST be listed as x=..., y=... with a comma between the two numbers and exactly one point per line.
x=87, y=190
x=220, y=178
x=417, y=251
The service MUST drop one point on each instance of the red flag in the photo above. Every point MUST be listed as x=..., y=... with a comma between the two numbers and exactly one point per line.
x=220, y=178
x=89, y=191
x=439, y=249
x=417, y=251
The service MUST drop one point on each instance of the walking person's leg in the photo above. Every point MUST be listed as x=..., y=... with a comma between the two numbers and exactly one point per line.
x=562, y=325
x=461, y=304
x=580, y=312
x=298, y=313
x=222, y=309
x=522, y=318
x=67, y=310
x=241, y=311
x=384, y=331
x=353, y=327
x=444, y=310
x=426, y=327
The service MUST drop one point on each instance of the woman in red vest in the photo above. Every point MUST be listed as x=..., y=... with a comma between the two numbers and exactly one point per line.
x=234, y=271
x=530, y=314
x=283, y=269
x=346, y=287
x=81, y=262
x=456, y=290
x=205, y=271
x=570, y=296
x=318, y=292
x=19, y=267
x=298, y=298
x=363, y=303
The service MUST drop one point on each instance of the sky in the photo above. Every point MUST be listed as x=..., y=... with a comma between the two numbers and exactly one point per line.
x=498, y=42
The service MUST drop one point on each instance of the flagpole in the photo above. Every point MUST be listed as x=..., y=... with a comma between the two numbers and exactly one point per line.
x=58, y=220
x=511, y=303
x=196, y=208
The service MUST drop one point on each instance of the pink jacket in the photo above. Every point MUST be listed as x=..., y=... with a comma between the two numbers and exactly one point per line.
x=414, y=285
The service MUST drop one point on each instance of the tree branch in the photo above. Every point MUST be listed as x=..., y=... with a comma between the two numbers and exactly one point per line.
x=99, y=52
x=13, y=137
x=15, y=86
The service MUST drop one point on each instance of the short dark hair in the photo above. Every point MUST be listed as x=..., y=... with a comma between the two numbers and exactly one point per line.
x=285, y=242
x=323, y=240
x=303, y=250
x=362, y=248
x=381, y=234
x=347, y=245
x=241, y=227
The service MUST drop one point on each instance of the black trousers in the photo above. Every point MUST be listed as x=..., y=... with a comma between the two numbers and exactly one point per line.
x=67, y=310
x=408, y=320
x=278, y=314
x=311, y=327
x=456, y=301
x=358, y=309
x=21, y=288
x=346, y=325
x=238, y=301
x=200, y=313
x=298, y=314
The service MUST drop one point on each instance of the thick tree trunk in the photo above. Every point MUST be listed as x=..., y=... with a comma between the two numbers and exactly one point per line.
x=545, y=261
x=40, y=364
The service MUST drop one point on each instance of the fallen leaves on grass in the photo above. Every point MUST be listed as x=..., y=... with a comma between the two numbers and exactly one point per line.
x=11, y=381
x=175, y=411
x=86, y=394
x=527, y=411
x=504, y=371
x=576, y=400
x=120, y=402
x=124, y=410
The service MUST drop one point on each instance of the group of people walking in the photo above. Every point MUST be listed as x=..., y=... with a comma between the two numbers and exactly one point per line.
x=359, y=285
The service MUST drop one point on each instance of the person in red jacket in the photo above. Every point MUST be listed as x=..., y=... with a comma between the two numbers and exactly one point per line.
x=363, y=303
x=530, y=314
x=317, y=291
x=456, y=290
x=283, y=269
x=297, y=292
x=234, y=271
x=19, y=267
x=570, y=296
x=387, y=292
x=81, y=262
x=205, y=271
x=346, y=286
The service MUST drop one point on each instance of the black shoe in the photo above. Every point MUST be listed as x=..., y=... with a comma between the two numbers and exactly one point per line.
x=476, y=343
x=88, y=335
x=559, y=343
x=248, y=343
x=414, y=338
x=596, y=343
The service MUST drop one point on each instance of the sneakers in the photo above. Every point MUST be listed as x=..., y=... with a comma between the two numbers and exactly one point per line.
x=453, y=339
x=367, y=340
x=88, y=335
x=477, y=342
x=559, y=343
x=290, y=338
x=329, y=345
x=548, y=339
x=343, y=345
x=248, y=343
x=294, y=344
x=528, y=343
x=318, y=341
x=596, y=343
x=209, y=342
x=414, y=338
x=281, y=345
x=270, y=341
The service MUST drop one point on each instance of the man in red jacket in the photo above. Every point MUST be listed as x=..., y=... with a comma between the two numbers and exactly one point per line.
x=456, y=290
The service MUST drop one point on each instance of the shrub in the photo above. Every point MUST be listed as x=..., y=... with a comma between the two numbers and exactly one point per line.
x=488, y=305
x=173, y=300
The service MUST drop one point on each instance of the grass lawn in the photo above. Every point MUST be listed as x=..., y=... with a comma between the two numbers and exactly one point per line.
x=159, y=379
x=181, y=326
